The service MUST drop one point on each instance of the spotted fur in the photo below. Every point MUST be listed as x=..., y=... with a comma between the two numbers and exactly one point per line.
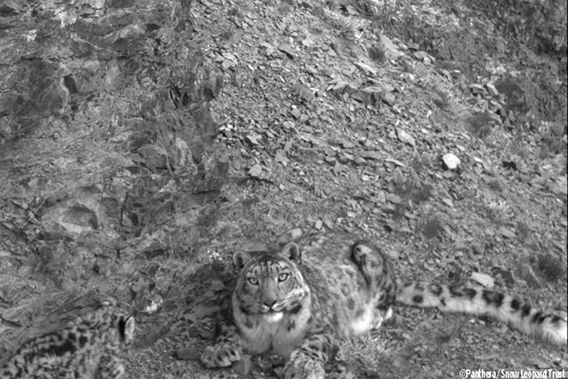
x=478, y=301
x=299, y=300
x=89, y=347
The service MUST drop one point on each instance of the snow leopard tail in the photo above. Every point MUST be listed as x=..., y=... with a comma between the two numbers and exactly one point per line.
x=477, y=301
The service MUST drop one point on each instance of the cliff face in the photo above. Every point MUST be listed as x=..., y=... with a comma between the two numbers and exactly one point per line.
x=105, y=134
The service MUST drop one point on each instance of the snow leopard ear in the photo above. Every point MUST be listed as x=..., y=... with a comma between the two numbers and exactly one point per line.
x=292, y=252
x=240, y=259
x=291, y=235
x=126, y=326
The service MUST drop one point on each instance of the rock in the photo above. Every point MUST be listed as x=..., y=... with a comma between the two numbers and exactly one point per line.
x=366, y=68
x=398, y=163
x=393, y=255
x=227, y=64
x=155, y=157
x=448, y=202
x=252, y=139
x=371, y=155
x=74, y=219
x=244, y=366
x=506, y=232
x=347, y=144
x=451, y=162
x=255, y=171
x=420, y=55
x=388, y=98
x=405, y=137
x=477, y=89
x=287, y=49
x=359, y=161
x=339, y=168
x=391, y=50
x=393, y=198
x=296, y=113
x=288, y=124
x=304, y=93
x=280, y=156
x=483, y=279
x=492, y=90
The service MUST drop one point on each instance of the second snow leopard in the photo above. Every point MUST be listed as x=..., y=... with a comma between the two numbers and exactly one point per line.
x=89, y=347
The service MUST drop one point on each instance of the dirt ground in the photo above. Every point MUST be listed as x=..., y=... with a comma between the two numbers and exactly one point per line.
x=142, y=143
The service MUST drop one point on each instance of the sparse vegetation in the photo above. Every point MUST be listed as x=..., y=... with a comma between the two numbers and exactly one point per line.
x=430, y=226
x=494, y=212
x=366, y=350
x=284, y=9
x=523, y=231
x=414, y=191
x=377, y=53
x=227, y=33
x=553, y=142
x=524, y=270
x=480, y=125
x=422, y=193
x=235, y=12
x=420, y=163
x=399, y=211
x=495, y=185
x=520, y=147
x=441, y=99
x=350, y=28
x=551, y=267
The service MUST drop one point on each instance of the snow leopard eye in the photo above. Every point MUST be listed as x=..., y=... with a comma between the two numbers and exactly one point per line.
x=252, y=281
x=283, y=277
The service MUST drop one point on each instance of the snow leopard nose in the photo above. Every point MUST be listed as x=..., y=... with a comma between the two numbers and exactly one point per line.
x=269, y=303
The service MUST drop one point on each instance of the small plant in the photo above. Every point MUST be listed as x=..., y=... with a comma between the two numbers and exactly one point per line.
x=441, y=99
x=552, y=145
x=495, y=185
x=227, y=33
x=413, y=190
x=419, y=163
x=377, y=53
x=367, y=349
x=234, y=11
x=495, y=212
x=526, y=273
x=449, y=332
x=523, y=231
x=519, y=147
x=553, y=141
x=480, y=125
x=431, y=226
x=551, y=267
x=284, y=9
x=399, y=211
x=422, y=193
x=404, y=189
x=408, y=66
x=349, y=27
